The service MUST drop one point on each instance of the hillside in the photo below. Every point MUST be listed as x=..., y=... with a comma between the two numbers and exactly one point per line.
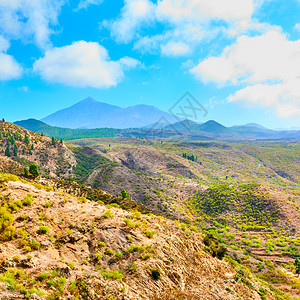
x=66, y=133
x=26, y=147
x=247, y=194
x=54, y=245
x=243, y=194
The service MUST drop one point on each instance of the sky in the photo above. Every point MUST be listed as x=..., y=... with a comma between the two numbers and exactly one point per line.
x=239, y=58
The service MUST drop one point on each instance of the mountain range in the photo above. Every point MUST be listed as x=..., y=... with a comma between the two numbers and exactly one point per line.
x=90, y=113
x=91, y=119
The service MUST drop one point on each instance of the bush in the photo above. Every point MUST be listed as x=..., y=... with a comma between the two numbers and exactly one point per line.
x=16, y=258
x=155, y=274
x=47, y=204
x=28, y=200
x=109, y=252
x=35, y=245
x=43, y=230
x=42, y=276
x=149, y=233
x=102, y=244
x=34, y=170
x=6, y=218
x=112, y=274
x=108, y=214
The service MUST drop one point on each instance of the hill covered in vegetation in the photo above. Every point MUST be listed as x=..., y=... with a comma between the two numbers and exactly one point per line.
x=66, y=133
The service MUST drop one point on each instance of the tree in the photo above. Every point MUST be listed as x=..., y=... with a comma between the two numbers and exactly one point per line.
x=1, y=136
x=125, y=194
x=297, y=265
x=26, y=140
x=53, y=142
x=12, y=139
x=7, y=150
x=26, y=174
x=34, y=170
x=15, y=150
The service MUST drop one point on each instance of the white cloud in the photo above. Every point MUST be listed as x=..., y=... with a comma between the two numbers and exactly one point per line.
x=268, y=64
x=129, y=62
x=134, y=14
x=29, y=20
x=9, y=67
x=254, y=59
x=82, y=64
x=200, y=10
x=84, y=4
x=177, y=42
x=175, y=49
x=186, y=22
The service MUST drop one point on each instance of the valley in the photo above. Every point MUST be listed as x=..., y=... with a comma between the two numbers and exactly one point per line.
x=245, y=195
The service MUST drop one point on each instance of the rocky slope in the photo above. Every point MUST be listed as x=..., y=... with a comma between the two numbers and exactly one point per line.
x=57, y=246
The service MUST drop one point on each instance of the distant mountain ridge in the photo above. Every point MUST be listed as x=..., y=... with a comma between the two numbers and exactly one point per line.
x=89, y=114
x=211, y=130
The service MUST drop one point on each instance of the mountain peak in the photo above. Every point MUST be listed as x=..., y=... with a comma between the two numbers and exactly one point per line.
x=90, y=113
x=88, y=100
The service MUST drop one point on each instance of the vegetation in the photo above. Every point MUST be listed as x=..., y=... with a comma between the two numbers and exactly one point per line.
x=65, y=133
x=34, y=170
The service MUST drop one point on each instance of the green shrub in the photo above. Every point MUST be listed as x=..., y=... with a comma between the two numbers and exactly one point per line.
x=28, y=200
x=155, y=274
x=16, y=258
x=102, y=244
x=35, y=245
x=149, y=233
x=108, y=214
x=112, y=274
x=43, y=230
x=109, y=252
x=6, y=218
x=47, y=204
x=42, y=276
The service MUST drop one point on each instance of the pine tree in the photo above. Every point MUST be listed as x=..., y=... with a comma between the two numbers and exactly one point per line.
x=53, y=142
x=7, y=150
x=15, y=150
x=26, y=140
x=26, y=172
x=12, y=139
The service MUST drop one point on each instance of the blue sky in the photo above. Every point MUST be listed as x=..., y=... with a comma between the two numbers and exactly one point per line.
x=239, y=58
